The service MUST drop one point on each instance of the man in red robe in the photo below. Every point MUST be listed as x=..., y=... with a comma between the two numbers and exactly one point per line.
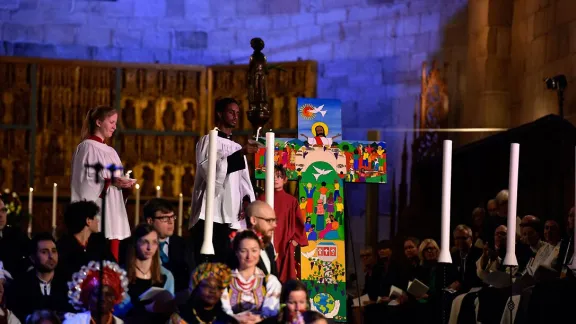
x=289, y=231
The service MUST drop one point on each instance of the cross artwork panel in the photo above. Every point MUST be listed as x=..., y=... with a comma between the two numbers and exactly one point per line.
x=321, y=161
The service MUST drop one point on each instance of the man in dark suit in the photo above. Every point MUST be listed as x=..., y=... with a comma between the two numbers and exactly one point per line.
x=43, y=287
x=261, y=218
x=464, y=260
x=175, y=252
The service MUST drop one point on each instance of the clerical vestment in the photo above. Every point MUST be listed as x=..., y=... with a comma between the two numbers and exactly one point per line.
x=231, y=187
x=289, y=227
x=84, y=186
x=320, y=140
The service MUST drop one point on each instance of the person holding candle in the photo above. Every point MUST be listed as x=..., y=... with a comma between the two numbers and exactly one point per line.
x=232, y=183
x=99, y=125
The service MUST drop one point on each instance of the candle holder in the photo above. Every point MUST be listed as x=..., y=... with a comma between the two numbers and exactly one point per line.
x=98, y=168
x=511, y=305
x=258, y=113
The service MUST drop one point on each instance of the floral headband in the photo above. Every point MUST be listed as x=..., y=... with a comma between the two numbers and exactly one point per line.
x=233, y=234
x=84, y=281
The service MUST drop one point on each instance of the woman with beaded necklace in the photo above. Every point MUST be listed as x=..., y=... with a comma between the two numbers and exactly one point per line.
x=204, y=306
x=252, y=295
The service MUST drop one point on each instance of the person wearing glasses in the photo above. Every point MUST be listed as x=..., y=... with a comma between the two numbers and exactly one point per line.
x=261, y=218
x=175, y=253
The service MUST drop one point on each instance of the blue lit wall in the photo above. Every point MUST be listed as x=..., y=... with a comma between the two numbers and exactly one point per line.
x=369, y=52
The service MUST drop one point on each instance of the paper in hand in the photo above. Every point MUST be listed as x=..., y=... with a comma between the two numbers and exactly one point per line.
x=357, y=302
x=417, y=289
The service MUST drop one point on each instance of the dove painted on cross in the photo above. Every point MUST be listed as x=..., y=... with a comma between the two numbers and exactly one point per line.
x=322, y=165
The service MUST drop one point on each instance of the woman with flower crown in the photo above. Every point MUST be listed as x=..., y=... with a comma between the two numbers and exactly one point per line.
x=252, y=295
x=84, y=292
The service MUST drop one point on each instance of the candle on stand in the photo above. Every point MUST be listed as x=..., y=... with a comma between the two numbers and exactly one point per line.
x=157, y=191
x=54, y=204
x=180, y=213
x=137, y=207
x=445, y=256
x=30, y=210
x=207, y=245
x=510, y=258
x=269, y=184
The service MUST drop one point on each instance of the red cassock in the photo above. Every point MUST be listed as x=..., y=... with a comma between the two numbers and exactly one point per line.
x=289, y=227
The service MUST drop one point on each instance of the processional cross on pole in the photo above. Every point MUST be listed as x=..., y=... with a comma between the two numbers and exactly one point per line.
x=321, y=163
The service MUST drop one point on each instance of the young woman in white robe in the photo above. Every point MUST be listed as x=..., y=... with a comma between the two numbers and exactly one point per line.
x=99, y=125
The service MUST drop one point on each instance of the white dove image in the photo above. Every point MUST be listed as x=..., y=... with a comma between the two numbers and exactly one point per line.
x=320, y=172
x=319, y=110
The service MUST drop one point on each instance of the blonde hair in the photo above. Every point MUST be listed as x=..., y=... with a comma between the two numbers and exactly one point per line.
x=502, y=197
x=93, y=115
x=423, y=245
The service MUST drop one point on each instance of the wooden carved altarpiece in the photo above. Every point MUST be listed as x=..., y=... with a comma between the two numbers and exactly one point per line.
x=164, y=109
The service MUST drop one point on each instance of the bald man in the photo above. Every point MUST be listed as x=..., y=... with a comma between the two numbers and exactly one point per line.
x=261, y=218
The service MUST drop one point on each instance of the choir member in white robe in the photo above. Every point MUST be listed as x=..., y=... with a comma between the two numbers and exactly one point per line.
x=232, y=184
x=99, y=125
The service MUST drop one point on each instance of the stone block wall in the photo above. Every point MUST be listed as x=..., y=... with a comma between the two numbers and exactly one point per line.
x=369, y=51
x=543, y=45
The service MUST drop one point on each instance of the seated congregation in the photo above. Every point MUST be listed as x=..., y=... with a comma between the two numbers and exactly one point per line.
x=411, y=286
x=155, y=279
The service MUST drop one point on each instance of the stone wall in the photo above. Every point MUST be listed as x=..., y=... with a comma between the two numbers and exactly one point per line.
x=369, y=51
x=543, y=45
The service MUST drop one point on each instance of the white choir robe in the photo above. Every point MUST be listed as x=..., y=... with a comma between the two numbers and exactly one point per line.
x=230, y=188
x=84, y=185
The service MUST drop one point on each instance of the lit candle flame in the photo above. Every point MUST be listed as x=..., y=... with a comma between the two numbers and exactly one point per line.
x=31, y=189
x=137, y=187
x=55, y=184
x=158, y=188
x=180, y=194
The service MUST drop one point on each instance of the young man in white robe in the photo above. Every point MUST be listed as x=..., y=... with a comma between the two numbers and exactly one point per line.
x=232, y=184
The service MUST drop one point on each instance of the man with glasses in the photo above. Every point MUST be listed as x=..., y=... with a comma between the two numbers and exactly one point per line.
x=175, y=253
x=464, y=260
x=261, y=218
x=13, y=244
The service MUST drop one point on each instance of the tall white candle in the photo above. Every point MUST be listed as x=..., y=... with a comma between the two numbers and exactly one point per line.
x=137, y=207
x=510, y=258
x=158, y=194
x=180, y=213
x=30, y=200
x=30, y=210
x=573, y=264
x=54, y=204
x=269, y=184
x=207, y=246
x=445, y=256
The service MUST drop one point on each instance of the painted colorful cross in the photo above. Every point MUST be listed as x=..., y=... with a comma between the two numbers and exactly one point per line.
x=321, y=164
